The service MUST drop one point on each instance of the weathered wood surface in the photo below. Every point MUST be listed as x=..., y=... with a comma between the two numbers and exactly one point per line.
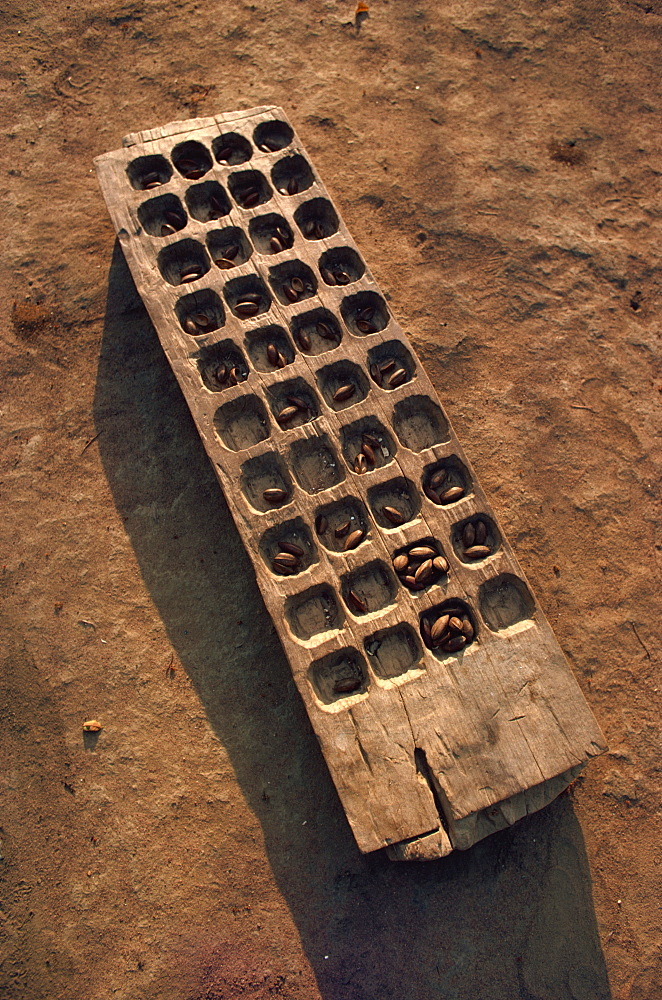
x=435, y=749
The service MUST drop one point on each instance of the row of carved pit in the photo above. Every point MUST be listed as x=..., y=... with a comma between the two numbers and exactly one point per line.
x=396, y=653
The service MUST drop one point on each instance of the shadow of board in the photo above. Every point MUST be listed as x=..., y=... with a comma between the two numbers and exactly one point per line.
x=511, y=918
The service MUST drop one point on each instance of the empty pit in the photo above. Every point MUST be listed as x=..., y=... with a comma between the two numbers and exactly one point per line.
x=315, y=465
x=394, y=651
x=420, y=423
x=313, y=612
x=242, y=422
x=504, y=601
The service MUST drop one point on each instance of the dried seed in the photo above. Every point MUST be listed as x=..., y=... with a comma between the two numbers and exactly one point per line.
x=454, y=493
x=296, y=284
x=342, y=530
x=217, y=204
x=252, y=297
x=220, y=374
x=224, y=154
x=174, y=218
x=167, y=230
x=426, y=631
x=393, y=515
x=290, y=294
x=370, y=439
x=202, y=320
x=468, y=535
x=353, y=539
x=369, y=453
x=431, y=494
x=325, y=331
x=92, y=726
x=194, y=175
x=424, y=572
x=287, y=558
x=282, y=360
x=151, y=177
x=224, y=263
x=360, y=464
x=297, y=401
x=467, y=630
x=272, y=354
x=366, y=313
x=276, y=245
x=283, y=235
x=400, y=563
x=292, y=548
x=321, y=524
x=250, y=198
x=190, y=276
x=342, y=278
x=304, y=340
x=376, y=374
x=309, y=228
x=286, y=414
x=455, y=624
x=347, y=684
x=231, y=251
x=481, y=532
x=356, y=603
x=364, y=327
x=477, y=551
x=275, y=495
x=437, y=479
x=397, y=378
x=440, y=564
x=386, y=366
x=238, y=374
x=455, y=644
x=319, y=231
x=344, y=392
x=190, y=327
x=328, y=276
x=151, y=184
x=293, y=186
x=422, y=552
x=246, y=308
x=439, y=627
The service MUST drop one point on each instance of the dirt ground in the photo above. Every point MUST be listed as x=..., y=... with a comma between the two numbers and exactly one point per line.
x=499, y=165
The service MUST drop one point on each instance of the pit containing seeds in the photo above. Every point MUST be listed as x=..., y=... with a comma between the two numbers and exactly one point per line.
x=316, y=332
x=475, y=538
x=249, y=188
x=183, y=263
x=230, y=149
x=447, y=481
x=200, y=313
x=369, y=588
x=292, y=281
x=317, y=219
x=504, y=601
x=242, y=422
x=391, y=365
x=247, y=296
x=366, y=445
x=221, y=365
x=148, y=172
x=394, y=503
x=163, y=216
x=292, y=175
x=292, y=403
x=228, y=247
x=339, y=675
x=288, y=548
x=269, y=348
x=394, y=651
x=342, y=384
x=343, y=525
x=341, y=266
x=207, y=201
x=271, y=233
x=269, y=137
x=314, y=612
x=191, y=159
x=364, y=313
x=265, y=482
x=421, y=564
x=315, y=464
x=448, y=628
x=420, y=423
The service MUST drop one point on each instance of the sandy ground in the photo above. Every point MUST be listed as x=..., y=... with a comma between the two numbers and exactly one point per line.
x=499, y=167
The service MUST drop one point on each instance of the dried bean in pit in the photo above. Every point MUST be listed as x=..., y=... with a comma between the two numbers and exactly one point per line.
x=468, y=535
x=455, y=644
x=344, y=392
x=342, y=529
x=454, y=493
x=286, y=414
x=304, y=340
x=397, y=378
x=360, y=464
x=328, y=276
x=275, y=495
x=353, y=539
x=481, y=533
x=246, y=308
x=400, y=563
x=477, y=552
x=439, y=627
x=422, y=552
x=292, y=548
x=393, y=515
x=276, y=245
x=321, y=524
x=356, y=603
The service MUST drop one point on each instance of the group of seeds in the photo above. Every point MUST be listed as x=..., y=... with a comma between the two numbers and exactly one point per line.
x=223, y=376
x=314, y=230
x=322, y=329
x=352, y=536
x=335, y=275
x=198, y=323
x=249, y=304
x=174, y=222
x=275, y=357
x=295, y=406
x=389, y=373
x=419, y=566
x=439, y=491
x=292, y=187
x=288, y=560
x=192, y=170
x=474, y=537
x=248, y=195
x=367, y=457
x=449, y=630
x=151, y=180
x=280, y=240
x=294, y=287
x=226, y=258
x=365, y=320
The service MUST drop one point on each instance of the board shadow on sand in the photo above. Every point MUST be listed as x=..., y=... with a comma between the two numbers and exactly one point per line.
x=513, y=917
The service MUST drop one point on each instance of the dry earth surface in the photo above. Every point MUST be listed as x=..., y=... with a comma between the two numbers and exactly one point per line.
x=499, y=165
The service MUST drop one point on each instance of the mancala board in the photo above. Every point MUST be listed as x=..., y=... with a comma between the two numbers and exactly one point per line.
x=442, y=702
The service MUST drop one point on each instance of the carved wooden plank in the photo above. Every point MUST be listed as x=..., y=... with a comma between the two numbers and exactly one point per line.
x=266, y=311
